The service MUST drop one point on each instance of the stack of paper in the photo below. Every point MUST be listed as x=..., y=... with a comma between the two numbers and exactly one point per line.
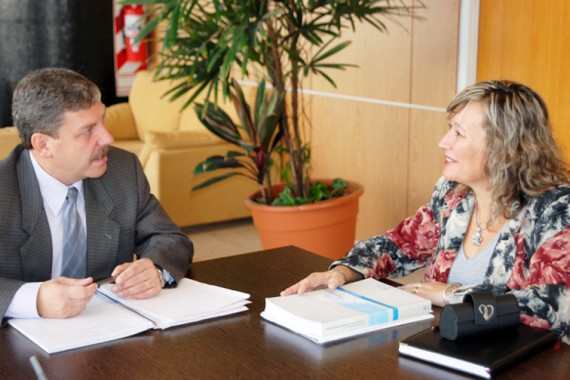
x=108, y=317
x=191, y=301
x=357, y=308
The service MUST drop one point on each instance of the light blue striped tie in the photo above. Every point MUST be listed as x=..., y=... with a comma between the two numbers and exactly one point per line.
x=74, y=245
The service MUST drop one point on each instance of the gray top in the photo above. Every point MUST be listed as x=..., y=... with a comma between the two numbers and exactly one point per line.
x=471, y=271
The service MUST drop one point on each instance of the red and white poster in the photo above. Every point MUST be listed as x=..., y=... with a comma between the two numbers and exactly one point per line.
x=130, y=56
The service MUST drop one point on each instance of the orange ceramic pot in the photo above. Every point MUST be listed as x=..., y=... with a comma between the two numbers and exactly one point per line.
x=326, y=228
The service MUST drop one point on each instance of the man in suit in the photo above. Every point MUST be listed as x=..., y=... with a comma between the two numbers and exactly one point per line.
x=59, y=116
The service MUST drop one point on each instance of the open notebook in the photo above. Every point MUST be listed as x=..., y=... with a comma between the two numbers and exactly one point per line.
x=108, y=317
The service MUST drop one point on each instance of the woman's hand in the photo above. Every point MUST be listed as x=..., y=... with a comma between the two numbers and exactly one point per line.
x=433, y=291
x=331, y=279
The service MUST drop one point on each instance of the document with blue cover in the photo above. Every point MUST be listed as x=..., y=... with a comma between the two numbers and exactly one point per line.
x=360, y=307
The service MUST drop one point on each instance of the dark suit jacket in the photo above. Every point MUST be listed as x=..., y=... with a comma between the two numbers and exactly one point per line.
x=122, y=218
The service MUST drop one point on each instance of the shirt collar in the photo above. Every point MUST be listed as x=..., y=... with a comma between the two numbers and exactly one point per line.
x=53, y=191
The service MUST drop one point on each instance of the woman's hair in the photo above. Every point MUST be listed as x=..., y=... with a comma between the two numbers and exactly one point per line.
x=522, y=158
x=42, y=97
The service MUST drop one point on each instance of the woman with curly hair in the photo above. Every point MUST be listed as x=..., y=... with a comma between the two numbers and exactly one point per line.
x=498, y=219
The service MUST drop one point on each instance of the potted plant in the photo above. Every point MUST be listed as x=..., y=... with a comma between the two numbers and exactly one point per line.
x=209, y=45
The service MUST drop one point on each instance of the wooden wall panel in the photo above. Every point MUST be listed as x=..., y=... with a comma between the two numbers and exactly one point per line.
x=365, y=143
x=390, y=148
x=383, y=62
x=529, y=41
x=426, y=158
x=435, y=43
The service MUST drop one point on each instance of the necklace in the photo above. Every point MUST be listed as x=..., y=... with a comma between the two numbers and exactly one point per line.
x=477, y=238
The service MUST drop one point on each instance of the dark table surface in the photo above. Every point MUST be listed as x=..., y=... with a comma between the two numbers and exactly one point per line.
x=244, y=346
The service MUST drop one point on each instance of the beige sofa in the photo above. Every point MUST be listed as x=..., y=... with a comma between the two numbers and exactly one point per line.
x=8, y=140
x=169, y=144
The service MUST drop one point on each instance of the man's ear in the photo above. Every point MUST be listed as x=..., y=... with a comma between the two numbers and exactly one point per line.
x=40, y=143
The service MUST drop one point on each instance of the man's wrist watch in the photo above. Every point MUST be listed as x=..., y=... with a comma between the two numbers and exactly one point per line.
x=161, y=278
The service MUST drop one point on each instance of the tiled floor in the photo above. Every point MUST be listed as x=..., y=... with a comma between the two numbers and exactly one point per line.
x=223, y=239
x=235, y=237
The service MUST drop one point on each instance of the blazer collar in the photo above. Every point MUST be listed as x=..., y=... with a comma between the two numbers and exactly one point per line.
x=36, y=252
x=32, y=203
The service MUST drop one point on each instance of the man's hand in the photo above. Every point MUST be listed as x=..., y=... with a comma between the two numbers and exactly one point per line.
x=64, y=297
x=138, y=279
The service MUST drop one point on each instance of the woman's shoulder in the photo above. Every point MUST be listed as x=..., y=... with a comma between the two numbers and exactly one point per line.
x=561, y=190
x=545, y=216
x=447, y=195
x=559, y=195
x=552, y=206
x=449, y=191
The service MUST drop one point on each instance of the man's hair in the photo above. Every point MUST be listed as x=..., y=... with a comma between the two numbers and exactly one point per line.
x=42, y=97
x=522, y=158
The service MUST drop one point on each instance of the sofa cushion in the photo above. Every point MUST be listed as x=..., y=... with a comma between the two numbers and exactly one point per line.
x=120, y=122
x=176, y=140
x=152, y=110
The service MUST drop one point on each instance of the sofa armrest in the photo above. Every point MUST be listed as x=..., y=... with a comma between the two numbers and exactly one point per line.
x=171, y=178
x=120, y=122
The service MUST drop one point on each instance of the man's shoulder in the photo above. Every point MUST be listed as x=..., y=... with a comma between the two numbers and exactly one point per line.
x=120, y=159
x=120, y=154
x=12, y=157
x=122, y=166
x=10, y=186
x=8, y=166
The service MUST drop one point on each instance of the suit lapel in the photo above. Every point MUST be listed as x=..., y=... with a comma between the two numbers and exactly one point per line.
x=102, y=231
x=37, y=250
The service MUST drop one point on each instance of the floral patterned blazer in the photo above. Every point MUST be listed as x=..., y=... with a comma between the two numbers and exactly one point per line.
x=531, y=259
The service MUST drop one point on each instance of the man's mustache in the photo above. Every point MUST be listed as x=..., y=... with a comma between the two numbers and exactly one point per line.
x=104, y=151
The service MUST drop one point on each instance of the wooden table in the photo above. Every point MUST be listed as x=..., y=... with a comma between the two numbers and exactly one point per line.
x=244, y=346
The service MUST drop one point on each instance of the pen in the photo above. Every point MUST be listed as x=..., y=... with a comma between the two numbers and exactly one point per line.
x=37, y=368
